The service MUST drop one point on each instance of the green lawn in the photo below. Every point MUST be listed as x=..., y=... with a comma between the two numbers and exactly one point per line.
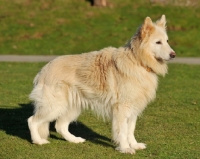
x=170, y=126
x=73, y=26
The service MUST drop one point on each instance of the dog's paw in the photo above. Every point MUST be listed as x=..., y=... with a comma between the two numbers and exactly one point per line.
x=41, y=142
x=126, y=150
x=78, y=140
x=138, y=146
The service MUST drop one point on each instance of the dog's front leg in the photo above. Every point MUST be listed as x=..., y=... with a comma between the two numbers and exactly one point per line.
x=131, y=138
x=120, y=129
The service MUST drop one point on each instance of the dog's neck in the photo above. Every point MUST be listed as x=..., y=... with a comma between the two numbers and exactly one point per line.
x=148, y=69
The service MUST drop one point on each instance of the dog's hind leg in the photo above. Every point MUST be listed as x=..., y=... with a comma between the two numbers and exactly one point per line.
x=44, y=130
x=62, y=125
x=34, y=123
x=131, y=138
x=39, y=123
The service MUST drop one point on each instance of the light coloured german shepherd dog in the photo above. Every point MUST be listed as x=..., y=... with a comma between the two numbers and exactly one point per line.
x=116, y=83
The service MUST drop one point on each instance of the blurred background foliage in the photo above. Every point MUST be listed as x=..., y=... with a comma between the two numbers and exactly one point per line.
x=57, y=27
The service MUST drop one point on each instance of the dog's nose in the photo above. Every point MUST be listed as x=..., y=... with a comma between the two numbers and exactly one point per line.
x=172, y=54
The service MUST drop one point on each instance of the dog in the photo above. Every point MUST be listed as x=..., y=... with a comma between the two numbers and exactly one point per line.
x=116, y=83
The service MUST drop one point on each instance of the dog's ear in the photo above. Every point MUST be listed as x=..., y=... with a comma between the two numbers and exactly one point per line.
x=147, y=27
x=162, y=22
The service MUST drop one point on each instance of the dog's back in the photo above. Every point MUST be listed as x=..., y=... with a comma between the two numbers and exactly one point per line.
x=72, y=79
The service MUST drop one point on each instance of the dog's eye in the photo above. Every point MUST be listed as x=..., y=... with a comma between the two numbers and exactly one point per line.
x=158, y=42
x=167, y=41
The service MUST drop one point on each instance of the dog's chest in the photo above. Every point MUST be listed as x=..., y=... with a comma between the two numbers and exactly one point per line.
x=140, y=89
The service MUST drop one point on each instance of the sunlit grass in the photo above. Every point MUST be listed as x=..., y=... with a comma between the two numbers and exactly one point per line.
x=69, y=27
x=170, y=126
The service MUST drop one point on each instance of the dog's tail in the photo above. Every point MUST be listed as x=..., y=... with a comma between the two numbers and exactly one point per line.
x=39, y=78
x=37, y=93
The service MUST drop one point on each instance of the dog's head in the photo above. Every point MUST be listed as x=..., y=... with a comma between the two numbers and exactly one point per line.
x=155, y=40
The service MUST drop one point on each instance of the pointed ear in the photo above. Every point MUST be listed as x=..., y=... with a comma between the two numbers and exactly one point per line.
x=147, y=27
x=162, y=22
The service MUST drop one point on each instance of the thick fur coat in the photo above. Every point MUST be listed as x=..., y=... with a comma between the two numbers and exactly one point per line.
x=116, y=83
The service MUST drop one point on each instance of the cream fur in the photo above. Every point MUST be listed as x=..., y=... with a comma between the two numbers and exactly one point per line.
x=113, y=82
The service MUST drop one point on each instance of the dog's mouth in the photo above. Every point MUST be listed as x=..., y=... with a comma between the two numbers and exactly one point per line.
x=159, y=59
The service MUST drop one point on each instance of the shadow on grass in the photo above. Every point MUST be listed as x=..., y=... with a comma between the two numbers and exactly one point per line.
x=14, y=122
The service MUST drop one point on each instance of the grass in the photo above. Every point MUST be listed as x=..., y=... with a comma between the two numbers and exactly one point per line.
x=68, y=27
x=170, y=126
